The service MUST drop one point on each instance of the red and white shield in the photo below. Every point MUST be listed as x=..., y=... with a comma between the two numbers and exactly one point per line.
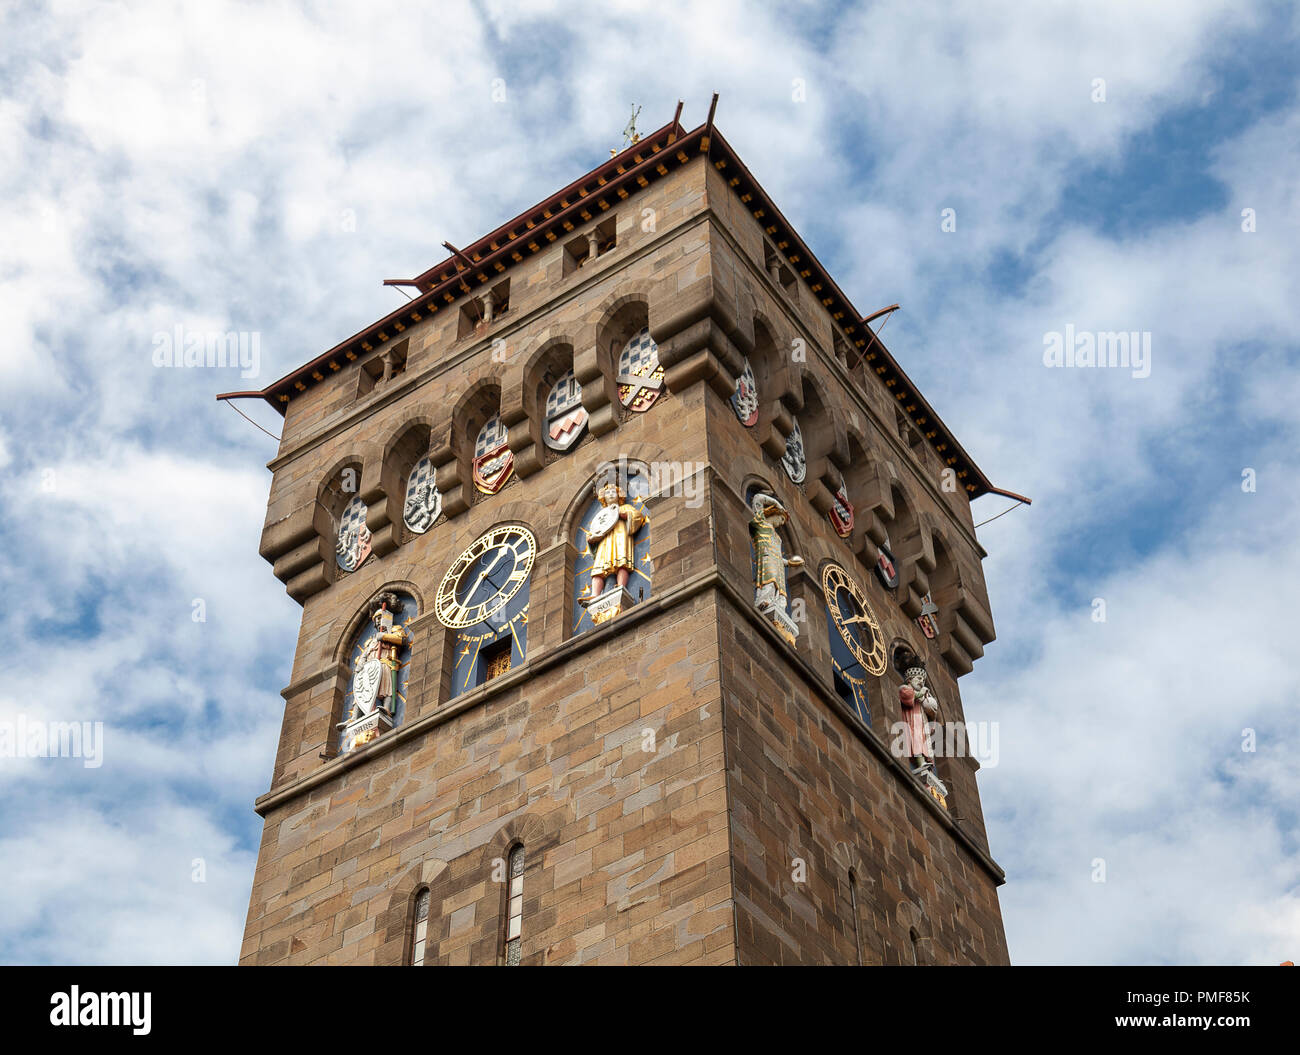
x=887, y=567
x=565, y=415
x=841, y=511
x=493, y=459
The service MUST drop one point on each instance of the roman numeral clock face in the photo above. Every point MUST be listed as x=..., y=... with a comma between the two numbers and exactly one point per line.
x=485, y=577
x=854, y=619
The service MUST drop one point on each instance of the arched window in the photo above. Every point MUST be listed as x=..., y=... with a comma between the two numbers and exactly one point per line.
x=379, y=665
x=420, y=933
x=614, y=555
x=557, y=418
x=945, y=583
x=765, y=365
x=514, y=905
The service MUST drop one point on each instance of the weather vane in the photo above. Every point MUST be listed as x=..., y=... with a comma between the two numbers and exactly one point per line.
x=630, y=135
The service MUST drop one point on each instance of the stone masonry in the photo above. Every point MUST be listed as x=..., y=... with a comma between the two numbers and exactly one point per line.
x=686, y=851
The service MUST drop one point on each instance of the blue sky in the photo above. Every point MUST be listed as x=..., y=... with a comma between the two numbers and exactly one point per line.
x=261, y=168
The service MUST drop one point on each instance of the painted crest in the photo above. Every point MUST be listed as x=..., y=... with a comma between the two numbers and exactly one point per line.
x=565, y=415
x=423, y=502
x=640, y=377
x=352, y=546
x=887, y=568
x=744, y=401
x=928, y=620
x=841, y=511
x=794, y=460
x=493, y=460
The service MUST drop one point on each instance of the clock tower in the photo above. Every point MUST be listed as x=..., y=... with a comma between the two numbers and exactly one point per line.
x=637, y=579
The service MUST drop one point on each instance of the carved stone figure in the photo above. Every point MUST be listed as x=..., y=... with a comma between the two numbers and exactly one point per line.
x=375, y=677
x=770, y=562
x=611, y=538
x=920, y=708
x=611, y=535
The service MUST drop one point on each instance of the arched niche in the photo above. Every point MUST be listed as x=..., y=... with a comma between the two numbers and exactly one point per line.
x=770, y=362
x=608, y=328
x=378, y=658
x=411, y=480
x=903, y=535
x=816, y=425
x=631, y=357
x=553, y=397
x=339, y=495
x=605, y=556
x=484, y=458
x=857, y=476
x=781, y=591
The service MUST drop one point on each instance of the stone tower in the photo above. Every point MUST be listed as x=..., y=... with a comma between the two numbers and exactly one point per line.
x=515, y=733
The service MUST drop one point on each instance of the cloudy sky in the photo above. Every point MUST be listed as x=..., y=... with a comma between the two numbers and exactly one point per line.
x=260, y=168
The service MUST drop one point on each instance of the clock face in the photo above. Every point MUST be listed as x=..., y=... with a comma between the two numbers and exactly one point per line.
x=854, y=619
x=481, y=581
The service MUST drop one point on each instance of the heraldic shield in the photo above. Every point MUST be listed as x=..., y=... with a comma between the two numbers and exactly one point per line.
x=352, y=546
x=887, y=567
x=794, y=460
x=566, y=418
x=841, y=511
x=640, y=377
x=928, y=620
x=365, y=685
x=744, y=401
x=493, y=460
x=423, y=503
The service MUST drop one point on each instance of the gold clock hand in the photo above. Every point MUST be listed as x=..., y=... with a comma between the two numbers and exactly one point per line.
x=483, y=575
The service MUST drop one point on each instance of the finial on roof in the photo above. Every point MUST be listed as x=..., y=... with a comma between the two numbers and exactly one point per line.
x=630, y=135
